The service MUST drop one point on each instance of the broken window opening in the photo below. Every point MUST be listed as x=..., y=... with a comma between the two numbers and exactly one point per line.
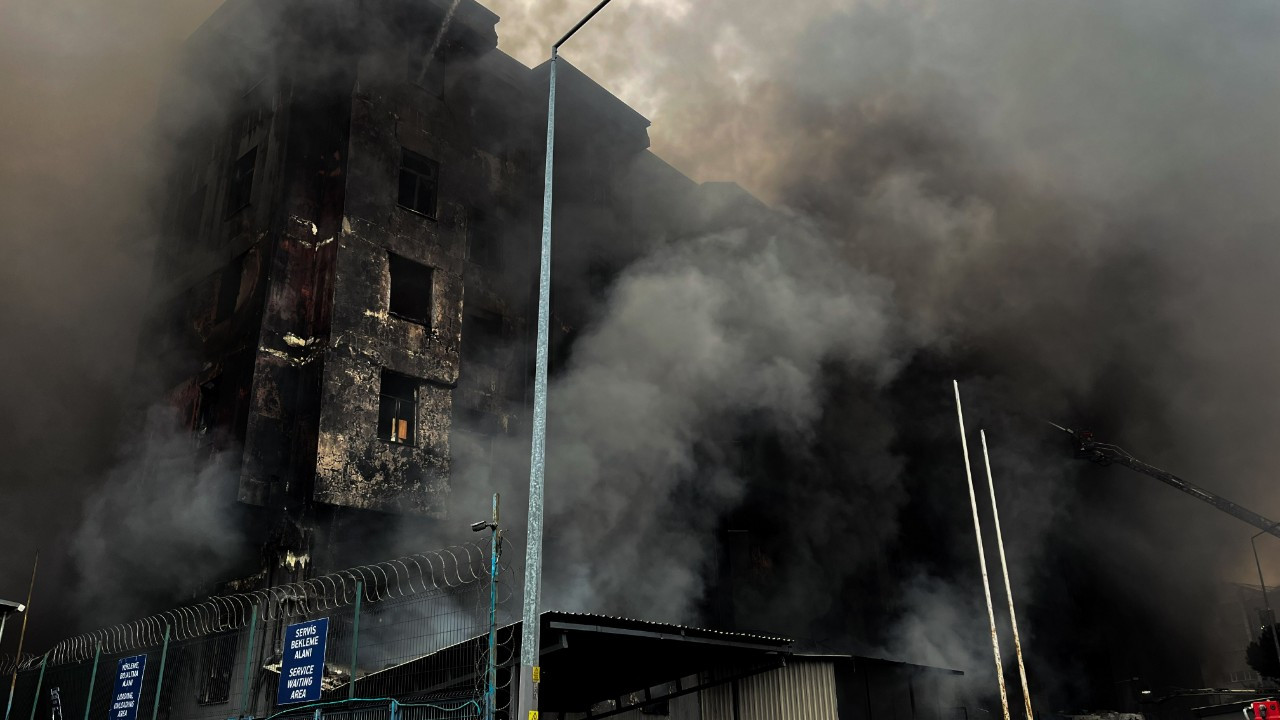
x=229, y=290
x=483, y=329
x=419, y=181
x=240, y=186
x=483, y=246
x=219, y=661
x=397, y=408
x=206, y=412
x=410, y=290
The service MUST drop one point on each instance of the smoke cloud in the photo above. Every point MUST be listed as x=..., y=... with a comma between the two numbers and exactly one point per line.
x=77, y=171
x=161, y=523
x=693, y=339
x=1069, y=206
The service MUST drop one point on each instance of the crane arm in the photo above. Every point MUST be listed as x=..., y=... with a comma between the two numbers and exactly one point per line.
x=1105, y=454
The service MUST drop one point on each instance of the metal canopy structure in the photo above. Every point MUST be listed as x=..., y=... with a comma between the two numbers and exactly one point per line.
x=599, y=666
x=588, y=659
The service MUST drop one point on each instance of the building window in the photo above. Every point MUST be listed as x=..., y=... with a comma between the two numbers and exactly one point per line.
x=206, y=416
x=397, y=408
x=240, y=188
x=219, y=660
x=482, y=330
x=419, y=179
x=229, y=290
x=483, y=247
x=410, y=290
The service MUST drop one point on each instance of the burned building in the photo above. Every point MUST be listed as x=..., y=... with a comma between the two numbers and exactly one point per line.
x=342, y=293
x=342, y=316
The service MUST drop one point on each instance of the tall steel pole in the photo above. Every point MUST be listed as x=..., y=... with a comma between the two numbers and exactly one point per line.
x=530, y=672
x=1004, y=568
x=1266, y=603
x=982, y=558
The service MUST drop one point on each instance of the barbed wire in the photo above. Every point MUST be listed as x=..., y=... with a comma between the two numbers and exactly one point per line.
x=8, y=663
x=427, y=572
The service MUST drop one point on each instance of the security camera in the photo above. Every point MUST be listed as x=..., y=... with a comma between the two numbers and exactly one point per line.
x=478, y=526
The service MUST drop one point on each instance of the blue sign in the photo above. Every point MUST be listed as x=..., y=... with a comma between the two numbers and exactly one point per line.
x=302, y=667
x=128, y=688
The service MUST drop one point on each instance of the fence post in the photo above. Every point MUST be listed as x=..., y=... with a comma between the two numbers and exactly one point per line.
x=248, y=661
x=35, y=698
x=93, y=677
x=164, y=655
x=355, y=640
x=491, y=672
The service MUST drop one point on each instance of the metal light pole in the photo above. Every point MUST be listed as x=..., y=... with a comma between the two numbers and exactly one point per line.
x=491, y=664
x=1271, y=618
x=8, y=607
x=1004, y=568
x=13, y=682
x=982, y=557
x=530, y=673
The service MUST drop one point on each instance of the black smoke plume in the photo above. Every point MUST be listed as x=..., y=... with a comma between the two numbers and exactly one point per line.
x=1068, y=206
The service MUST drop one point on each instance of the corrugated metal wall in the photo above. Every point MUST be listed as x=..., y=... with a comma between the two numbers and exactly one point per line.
x=803, y=690
x=685, y=707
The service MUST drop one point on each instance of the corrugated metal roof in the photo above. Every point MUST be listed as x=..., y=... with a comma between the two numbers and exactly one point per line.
x=871, y=658
x=655, y=626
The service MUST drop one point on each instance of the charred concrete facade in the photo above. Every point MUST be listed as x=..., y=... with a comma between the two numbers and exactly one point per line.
x=342, y=294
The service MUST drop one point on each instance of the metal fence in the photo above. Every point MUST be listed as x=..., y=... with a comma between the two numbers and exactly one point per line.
x=406, y=639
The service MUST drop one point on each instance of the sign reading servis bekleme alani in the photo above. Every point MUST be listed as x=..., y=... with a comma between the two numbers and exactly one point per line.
x=128, y=688
x=302, y=667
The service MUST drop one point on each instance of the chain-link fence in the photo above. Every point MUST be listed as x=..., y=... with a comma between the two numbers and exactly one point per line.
x=406, y=639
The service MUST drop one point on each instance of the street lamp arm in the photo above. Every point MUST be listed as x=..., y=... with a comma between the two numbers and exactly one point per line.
x=581, y=22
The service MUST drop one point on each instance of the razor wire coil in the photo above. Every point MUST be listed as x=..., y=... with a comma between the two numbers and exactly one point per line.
x=428, y=572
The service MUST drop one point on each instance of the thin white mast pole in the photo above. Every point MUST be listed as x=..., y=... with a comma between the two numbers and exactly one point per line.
x=1004, y=568
x=982, y=557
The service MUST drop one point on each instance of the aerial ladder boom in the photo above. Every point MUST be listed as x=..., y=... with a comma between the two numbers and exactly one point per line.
x=1106, y=454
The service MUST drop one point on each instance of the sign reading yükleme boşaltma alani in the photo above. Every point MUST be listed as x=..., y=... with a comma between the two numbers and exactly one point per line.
x=128, y=688
x=302, y=667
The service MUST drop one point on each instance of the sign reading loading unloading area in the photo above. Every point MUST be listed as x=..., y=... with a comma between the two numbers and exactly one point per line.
x=302, y=668
x=128, y=687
